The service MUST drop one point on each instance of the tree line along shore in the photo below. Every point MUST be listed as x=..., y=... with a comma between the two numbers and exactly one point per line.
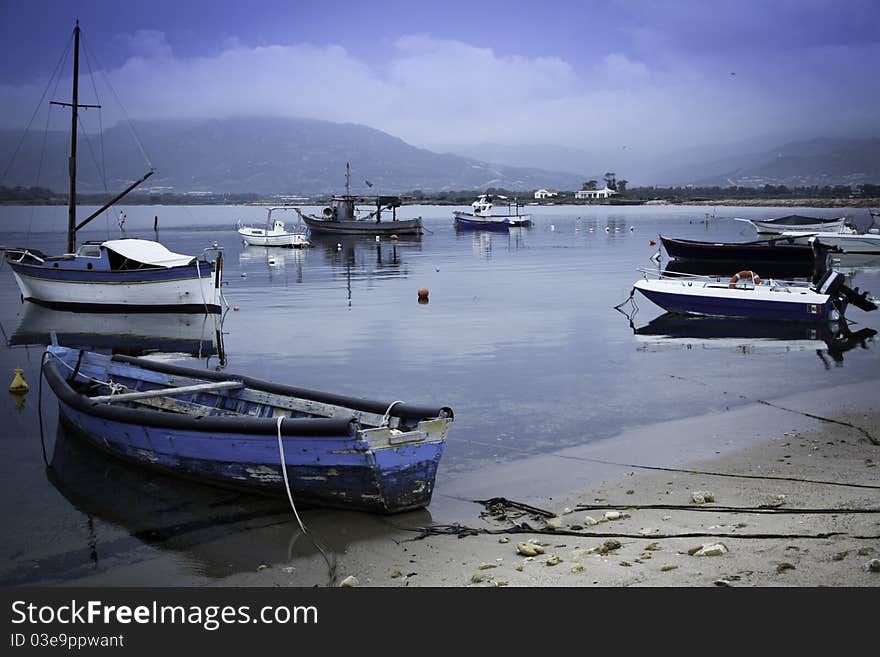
x=819, y=197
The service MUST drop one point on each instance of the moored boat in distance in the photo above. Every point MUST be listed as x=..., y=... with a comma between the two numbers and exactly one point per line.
x=239, y=432
x=341, y=218
x=274, y=234
x=795, y=222
x=482, y=216
x=122, y=274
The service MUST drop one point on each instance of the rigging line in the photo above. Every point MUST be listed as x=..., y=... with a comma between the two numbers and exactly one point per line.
x=61, y=61
x=27, y=238
x=103, y=166
x=684, y=470
x=121, y=107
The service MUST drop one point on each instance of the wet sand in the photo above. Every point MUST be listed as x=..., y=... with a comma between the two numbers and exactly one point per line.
x=764, y=549
x=786, y=554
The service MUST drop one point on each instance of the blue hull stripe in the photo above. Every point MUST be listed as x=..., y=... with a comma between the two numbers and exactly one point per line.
x=124, y=276
x=684, y=303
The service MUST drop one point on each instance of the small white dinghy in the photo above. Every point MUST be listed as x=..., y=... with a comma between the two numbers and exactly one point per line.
x=275, y=234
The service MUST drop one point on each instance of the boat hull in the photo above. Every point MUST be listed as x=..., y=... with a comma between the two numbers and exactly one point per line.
x=325, y=471
x=467, y=220
x=181, y=289
x=775, y=228
x=330, y=461
x=851, y=244
x=393, y=227
x=741, y=254
x=700, y=299
x=288, y=240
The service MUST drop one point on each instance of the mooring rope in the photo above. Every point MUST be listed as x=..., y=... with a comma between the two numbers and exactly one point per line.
x=315, y=542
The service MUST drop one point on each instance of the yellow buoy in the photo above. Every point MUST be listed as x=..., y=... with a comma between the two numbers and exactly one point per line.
x=18, y=383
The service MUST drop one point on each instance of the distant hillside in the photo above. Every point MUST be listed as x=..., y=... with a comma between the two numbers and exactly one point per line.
x=263, y=156
x=823, y=161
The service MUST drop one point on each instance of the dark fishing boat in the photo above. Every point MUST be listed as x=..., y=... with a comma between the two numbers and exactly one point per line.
x=341, y=218
x=244, y=433
x=740, y=254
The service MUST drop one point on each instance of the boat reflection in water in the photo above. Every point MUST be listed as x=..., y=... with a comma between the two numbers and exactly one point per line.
x=277, y=262
x=484, y=241
x=749, y=335
x=210, y=531
x=134, y=334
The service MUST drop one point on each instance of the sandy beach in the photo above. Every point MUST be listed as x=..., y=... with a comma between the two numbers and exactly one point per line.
x=752, y=505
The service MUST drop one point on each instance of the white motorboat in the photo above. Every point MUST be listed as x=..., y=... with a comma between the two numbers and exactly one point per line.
x=483, y=217
x=275, y=234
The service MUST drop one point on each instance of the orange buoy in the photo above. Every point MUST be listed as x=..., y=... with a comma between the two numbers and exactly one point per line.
x=423, y=295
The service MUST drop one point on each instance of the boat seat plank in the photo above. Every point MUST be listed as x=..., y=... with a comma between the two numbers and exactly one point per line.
x=166, y=392
x=115, y=370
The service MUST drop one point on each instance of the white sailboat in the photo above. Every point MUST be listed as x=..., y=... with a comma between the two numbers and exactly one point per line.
x=114, y=275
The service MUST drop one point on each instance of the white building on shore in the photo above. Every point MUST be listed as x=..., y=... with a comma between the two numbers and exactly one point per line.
x=546, y=193
x=606, y=192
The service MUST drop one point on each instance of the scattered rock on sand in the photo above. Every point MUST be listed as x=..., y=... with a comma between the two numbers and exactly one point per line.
x=613, y=515
x=553, y=523
x=504, y=539
x=781, y=568
x=479, y=578
x=873, y=566
x=709, y=550
x=396, y=573
x=702, y=496
x=666, y=569
x=350, y=581
x=529, y=549
x=554, y=560
x=608, y=546
x=578, y=568
x=487, y=566
x=589, y=521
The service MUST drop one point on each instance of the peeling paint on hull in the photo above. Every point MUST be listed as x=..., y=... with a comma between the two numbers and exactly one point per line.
x=336, y=471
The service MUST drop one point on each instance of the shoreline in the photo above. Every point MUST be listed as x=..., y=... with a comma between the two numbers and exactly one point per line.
x=745, y=457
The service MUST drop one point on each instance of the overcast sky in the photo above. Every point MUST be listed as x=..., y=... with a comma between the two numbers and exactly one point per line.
x=649, y=75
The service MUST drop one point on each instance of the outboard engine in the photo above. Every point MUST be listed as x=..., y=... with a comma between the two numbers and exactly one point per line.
x=830, y=283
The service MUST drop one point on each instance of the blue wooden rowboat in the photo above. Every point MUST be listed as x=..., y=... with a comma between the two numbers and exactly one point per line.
x=236, y=431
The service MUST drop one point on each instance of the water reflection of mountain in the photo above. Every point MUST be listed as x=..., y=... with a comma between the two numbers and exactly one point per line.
x=134, y=334
x=748, y=335
x=213, y=531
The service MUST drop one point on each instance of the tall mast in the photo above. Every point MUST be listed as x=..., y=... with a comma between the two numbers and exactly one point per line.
x=347, y=180
x=71, y=202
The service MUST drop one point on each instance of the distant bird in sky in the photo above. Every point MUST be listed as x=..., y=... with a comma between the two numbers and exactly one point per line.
x=732, y=73
x=369, y=184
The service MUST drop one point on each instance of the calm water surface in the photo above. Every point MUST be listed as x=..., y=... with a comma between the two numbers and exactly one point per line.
x=520, y=337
